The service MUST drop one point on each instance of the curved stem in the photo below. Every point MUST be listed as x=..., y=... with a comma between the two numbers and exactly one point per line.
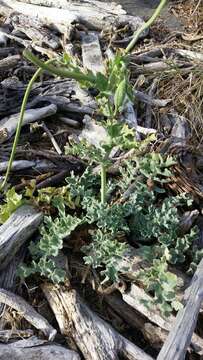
x=145, y=26
x=103, y=184
x=20, y=121
x=59, y=71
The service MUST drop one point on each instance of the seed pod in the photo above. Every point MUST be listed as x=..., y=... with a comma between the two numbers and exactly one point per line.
x=120, y=95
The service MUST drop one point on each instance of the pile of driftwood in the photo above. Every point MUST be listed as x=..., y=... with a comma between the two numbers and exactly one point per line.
x=56, y=109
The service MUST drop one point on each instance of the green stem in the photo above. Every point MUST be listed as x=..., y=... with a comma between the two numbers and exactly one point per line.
x=20, y=121
x=103, y=184
x=145, y=26
x=59, y=71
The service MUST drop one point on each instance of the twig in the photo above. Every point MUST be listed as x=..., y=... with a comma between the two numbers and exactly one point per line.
x=54, y=143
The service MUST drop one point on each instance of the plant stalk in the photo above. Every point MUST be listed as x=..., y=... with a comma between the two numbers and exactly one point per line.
x=145, y=26
x=103, y=183
x=20, y=122
x=59, y=71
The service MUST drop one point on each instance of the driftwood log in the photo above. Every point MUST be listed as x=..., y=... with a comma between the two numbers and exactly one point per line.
x=93, y=14
x=9, y=62
x=16, y=230
x=35, y=349
x=183, y=327
x=8, y=125
x=93, y=336
x=9, y=273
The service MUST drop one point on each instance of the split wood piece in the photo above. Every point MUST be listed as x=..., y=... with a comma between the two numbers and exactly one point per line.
x=35, y=166
x=187, y=220
x=91, y=53
x=181, y=130
x=65, y=105
x=150, y=100
x=16, y=230
x=183, y=327
x=191, y=55
x=152, y=333
x=35, y=30
x=9, y=124
x=12, y=92
x=148, y=115
x=68, y=121
x=28, y=312
x=8, y=277
x=6, y=335
x=35, y=350
x=161, y=66
x=135, y=296
x=3, y=37
x=17, y=165
x=111, y=7
x=131, y=309
x=93, y=336
x=62, y=18
x=130, y=117
x=9, y=62
x=93, y=17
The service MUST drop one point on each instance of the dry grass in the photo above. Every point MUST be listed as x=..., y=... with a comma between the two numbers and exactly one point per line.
x=186, y=92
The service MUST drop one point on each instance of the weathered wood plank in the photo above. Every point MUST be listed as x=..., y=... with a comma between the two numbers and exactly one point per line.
x=91, y=53
x=94, y=337
x=16, y=230
x=111, y=7
x=183, y=327
x=9, y=62
x=9, y=124
x=30, y=350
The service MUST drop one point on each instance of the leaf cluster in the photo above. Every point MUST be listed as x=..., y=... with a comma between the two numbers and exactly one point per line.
x=12, y=201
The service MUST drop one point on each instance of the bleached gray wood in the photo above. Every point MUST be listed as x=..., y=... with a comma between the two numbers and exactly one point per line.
x=16, y=230
x=9, y=62
x=8, y=125
x=91, y=53
x=111, y=7
x=28, y=312
x=180, y=336
x=94, y=337
x=17, y=165
x=134, y=295
x=145, y=98
x=94, y=17
x=187, y=220
x=35, y=31
x=188, y=54
x=21, y=351
x=9, y=273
